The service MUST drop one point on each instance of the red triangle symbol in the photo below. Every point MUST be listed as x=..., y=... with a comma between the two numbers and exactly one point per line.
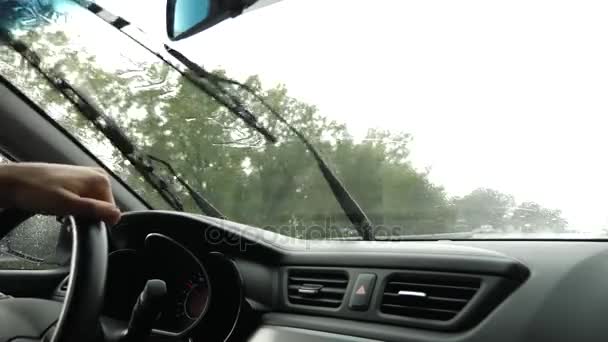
x=360, y=290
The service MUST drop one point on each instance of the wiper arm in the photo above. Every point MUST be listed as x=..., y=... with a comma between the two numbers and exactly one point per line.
x=108, y=127
x=351, y=208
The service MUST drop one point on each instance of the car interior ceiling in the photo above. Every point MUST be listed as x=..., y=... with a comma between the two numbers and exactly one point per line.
x=260, y=284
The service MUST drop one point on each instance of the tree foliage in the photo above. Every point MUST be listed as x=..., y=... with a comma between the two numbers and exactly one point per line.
x=488, y=208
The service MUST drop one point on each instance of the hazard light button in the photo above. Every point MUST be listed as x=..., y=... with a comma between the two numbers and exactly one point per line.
x=362, y=292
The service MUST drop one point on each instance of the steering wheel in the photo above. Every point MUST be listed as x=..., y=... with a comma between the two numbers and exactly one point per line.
x=30, y=319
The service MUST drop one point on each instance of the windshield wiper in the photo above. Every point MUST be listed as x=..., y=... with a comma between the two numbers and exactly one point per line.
x=203, y=204
x=111, y=130
x=351, y=208
x=211, y=85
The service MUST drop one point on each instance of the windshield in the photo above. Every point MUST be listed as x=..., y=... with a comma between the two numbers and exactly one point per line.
x=444, y=120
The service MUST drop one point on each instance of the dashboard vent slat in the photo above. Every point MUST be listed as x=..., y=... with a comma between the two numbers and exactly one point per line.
x=318, y=280
x=312, y=287
x=429, y=297
x=434, y=314
x=437, y=286
x=340, y=291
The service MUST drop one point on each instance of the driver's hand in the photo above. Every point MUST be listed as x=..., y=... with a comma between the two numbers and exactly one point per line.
x=58, y=190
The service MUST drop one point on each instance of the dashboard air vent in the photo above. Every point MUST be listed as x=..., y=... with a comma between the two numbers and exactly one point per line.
x=429, y=297
x=323, y=288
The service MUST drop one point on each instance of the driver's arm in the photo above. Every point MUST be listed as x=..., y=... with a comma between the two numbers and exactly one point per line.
x=58, y=190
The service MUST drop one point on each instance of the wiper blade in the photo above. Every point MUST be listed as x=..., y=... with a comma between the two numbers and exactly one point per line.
x=198, y=198
x=225, y=98
x=351, y=208
x=109, y=128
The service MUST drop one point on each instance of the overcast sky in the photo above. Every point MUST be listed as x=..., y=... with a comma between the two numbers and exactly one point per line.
x=511, y=95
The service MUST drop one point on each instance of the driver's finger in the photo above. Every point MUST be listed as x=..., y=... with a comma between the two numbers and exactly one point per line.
x=100, y=187
x=91, y=208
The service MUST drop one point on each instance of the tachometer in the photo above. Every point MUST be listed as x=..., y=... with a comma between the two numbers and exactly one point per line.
x=194, y=297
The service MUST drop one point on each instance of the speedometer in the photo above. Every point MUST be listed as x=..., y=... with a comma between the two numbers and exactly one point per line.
x=193, y=298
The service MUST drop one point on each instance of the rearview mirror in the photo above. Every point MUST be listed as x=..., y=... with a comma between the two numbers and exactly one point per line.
x=188, y=17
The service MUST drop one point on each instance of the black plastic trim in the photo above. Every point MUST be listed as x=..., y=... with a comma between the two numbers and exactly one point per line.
x=255, y=243
x=475, y=265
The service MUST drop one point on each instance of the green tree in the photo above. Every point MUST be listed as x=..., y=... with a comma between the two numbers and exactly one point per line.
x=488, y=207
x=484, y=207
x=531, y=217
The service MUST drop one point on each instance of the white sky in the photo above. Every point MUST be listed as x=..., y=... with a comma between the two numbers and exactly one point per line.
x=511, y=95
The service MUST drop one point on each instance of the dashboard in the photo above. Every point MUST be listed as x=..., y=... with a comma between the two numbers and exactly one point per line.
x=232, y=282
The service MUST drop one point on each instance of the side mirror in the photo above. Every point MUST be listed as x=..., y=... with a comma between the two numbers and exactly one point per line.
x=188, y=17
